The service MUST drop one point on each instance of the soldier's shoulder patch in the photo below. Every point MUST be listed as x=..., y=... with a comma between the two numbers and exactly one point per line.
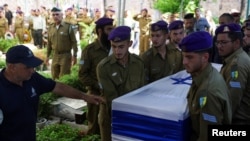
x=234, y=72
x=202, y=101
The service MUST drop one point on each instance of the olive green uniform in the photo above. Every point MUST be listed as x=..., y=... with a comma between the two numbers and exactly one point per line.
x=208, y=102
x=144, y=32
x=61, y=41
x=91, y=56
x=3, y=27
x=19, y=29
x=236, y=72
x=158, y=67
x=116, y=80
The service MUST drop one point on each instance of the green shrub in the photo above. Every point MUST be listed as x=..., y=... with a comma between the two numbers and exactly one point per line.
x=58, y=132
x=5, y=44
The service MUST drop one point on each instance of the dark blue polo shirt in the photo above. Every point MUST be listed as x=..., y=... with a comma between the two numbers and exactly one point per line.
x=19, y=105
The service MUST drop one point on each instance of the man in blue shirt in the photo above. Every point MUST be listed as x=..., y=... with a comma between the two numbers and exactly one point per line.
x=20, y=88
x=201, y=23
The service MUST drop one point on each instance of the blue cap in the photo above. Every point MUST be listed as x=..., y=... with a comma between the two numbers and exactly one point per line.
x=233, y=27
x=55, y=9
x=160, y=25
x=22, y=54
x=178, y=24
x=104, y=21
x=196, y=42
x=120, y=33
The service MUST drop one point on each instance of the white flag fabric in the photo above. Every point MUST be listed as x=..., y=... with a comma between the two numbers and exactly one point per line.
x=158, y=111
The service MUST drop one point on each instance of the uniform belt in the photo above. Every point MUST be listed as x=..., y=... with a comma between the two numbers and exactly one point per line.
x=62, y=52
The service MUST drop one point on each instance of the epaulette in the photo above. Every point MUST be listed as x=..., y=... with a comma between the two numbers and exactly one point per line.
x=136, y=57
x=104, y=61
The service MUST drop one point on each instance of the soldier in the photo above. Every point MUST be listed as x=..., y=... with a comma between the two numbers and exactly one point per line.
x=235, y=70
x=144, y=20
x=208, y=97
x=91, y=56
x=3, y=24
x=160, y=60
x=117, y=74
x=70, y=19
x=61, y=40
x=19, y=26
x=83, y=18
x=177, y=33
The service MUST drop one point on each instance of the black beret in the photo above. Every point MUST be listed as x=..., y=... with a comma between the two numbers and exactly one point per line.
x=55, y=9
x=196, y=42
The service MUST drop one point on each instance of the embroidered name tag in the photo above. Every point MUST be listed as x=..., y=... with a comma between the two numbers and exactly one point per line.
x=210, y=118
x=235, y=84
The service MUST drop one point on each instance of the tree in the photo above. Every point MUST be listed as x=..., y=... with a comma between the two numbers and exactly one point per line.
x=175, y=6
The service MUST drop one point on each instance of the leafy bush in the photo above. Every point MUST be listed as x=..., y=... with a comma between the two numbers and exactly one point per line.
x=2, y=63
x=5, y=44
x=72, y=79
x=88, y=36
x=63, y=132
x=58, y=132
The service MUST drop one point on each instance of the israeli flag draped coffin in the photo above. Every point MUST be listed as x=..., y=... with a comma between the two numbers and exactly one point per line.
x=155, y=112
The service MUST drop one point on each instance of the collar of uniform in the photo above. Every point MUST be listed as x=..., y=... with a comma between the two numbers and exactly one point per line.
x=155, y=52
x=97, y=44
x=130, y=59
x=229, y=58
x=203, y=75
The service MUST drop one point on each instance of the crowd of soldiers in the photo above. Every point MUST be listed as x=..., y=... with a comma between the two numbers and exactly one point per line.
x=107, y=68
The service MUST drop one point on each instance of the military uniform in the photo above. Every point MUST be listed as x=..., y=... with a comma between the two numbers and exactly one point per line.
x=236, y=72
x=19, y=29
x=91, y=56
x=209, y=100
x=61, y=41
x=144, y=32
x=157, y=67
x=116, y=79
x=3, y=26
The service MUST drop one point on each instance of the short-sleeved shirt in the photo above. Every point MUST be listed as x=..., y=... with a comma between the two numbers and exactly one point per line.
x=19, y=105
x=157, y=67
x=236, y=72
x=61, y=39
x=209, y=102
